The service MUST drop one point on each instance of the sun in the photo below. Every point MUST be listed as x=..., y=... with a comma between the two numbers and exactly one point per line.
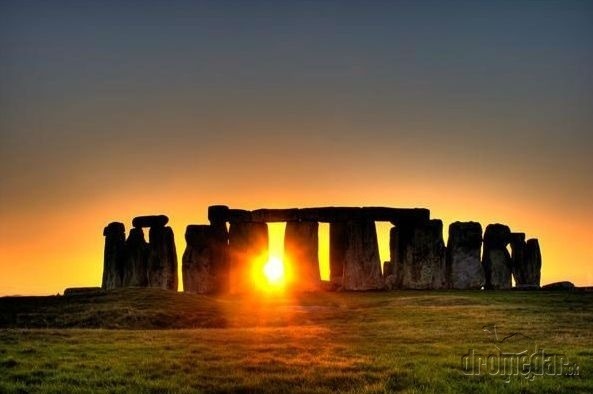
x=274, y=271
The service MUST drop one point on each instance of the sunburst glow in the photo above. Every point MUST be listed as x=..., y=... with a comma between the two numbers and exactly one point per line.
x=274, y=271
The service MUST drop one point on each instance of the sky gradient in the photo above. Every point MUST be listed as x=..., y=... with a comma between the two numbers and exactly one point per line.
x=108, y=110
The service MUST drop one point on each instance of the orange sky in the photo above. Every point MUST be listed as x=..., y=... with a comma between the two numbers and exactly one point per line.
x=476, y=110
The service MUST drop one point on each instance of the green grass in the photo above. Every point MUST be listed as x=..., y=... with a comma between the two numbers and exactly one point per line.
x=367, y=342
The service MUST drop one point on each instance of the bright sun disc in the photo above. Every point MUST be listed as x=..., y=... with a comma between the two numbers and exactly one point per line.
x=274, y=271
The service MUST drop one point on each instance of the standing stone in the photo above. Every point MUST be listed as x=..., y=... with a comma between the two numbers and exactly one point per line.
x=387, y=268
x=362, y=265
x=463, y=264
x=496, y=258
x=220, y=255
x=198, y=271
x=162, y=260
x=420, y=255
x=218, y=216
x=248, y=250
x=533, y=262
x=136, y=266
x=337, y=250
x=114, y=255
x=517, y=242
x=301, y=253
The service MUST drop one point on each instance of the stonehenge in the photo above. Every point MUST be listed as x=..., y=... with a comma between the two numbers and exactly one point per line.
x=496, y=259
x=198, y=271
x=133, y=262
x=301, y=252
x=114, y=255
x=228, y=254
x=463, y=263
x=361, y=265
x=419, y=258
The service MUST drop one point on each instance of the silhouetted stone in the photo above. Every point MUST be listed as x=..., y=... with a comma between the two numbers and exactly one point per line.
x=322, y=214
x=362, y=266
x=387, y=268
x=559, y=286
x=463, y=264
x=239, y=216
x=275, y=215
x=162, y=259
x=301, y=252
x=248, y=245
x=150, y=221
x=496, y=259
x=517, y=243
x=420, y=251
x=220, y=256
x=533, y=263
x=198, y=272
x=136, y=266
x=218, y=213
x=337, y=250
x=114, y=255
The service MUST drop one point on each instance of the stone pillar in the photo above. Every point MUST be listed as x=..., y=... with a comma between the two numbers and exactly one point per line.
x=362, y=265
x=420, y=255
x=337, y=250
x=162, y=260
x=301, y=240
x=517, y=242
x=136, y=267
x=218, y=216
x=496, y=258
x=198, y=270
x=248, y=245
x=533, y=262
x=387, y=269
x=463, y=264
x=113, y=255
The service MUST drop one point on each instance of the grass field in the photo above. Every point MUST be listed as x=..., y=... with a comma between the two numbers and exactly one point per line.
x=155, y=341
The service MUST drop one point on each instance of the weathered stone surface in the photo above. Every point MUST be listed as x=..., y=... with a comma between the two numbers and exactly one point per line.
x=150, y=221
x=337, y=250
x=114, y=255
x=387, y=268
x=136, y=266
x=496, y=259
x=362, y=266
x=198, y=272
x=463, y=263
x=162, y=259
x=532, y=263
x=248, y=245
x=301, y=253
x=420, y=255
x=390, y=282
x=562, y=286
